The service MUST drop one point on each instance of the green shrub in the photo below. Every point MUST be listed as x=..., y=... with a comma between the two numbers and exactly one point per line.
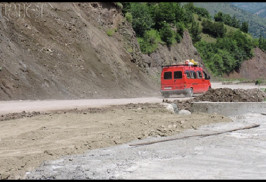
x=216, y=29
x=149, y=42
x=130, y=50
x=167, y=35
x=180, y=27
x=119, y=5
x=258, y=82
x=178, y=38
x=195, y=32
x=110, y=32
x=129, y=17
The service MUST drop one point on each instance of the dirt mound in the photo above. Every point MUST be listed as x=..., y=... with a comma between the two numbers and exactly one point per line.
x=224, y=95
x=232, y=95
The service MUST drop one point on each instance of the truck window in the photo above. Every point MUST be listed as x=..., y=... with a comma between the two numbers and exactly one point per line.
x=193, y=74
x=204, y=75
x=187, y=73
x=177, y=74
x=167, y=75
x=199, y=74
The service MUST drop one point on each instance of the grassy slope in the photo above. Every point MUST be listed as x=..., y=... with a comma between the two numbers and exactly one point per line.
x=208, y=38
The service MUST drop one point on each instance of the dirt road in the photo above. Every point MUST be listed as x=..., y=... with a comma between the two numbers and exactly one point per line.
x=26, y=142
x=53, y=105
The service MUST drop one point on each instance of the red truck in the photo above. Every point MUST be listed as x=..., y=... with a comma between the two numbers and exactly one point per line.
x=183, y=79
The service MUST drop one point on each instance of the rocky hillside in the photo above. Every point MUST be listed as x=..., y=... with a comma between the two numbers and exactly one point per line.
x=65, y=52
x=254, y=68
x=77, y=50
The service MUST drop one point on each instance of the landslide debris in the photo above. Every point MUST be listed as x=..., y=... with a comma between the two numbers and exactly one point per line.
x=64, y=52
x=224, y=95
x=232, y=95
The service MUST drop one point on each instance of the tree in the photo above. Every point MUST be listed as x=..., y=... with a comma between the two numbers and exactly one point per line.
x=126, y=7
x=218, y=16
x=189, y=7
x=142, y=20
x=195, y=32
x=262, y=43
x=179, y=12
x=180, y=27
x=202, y=12
x=216, y=29
x=164, y=12
x=219, y=29
x=235, y=22
x=244, y=27
x=188, y=17
x=179, y=31
x=167, y=35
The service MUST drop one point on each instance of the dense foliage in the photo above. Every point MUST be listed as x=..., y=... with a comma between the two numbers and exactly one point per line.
x=202, y=12
x=165, y=23
x=161, y=22
x=227, y=19
x=227, y=53
x=195, y=32
x=216, y=29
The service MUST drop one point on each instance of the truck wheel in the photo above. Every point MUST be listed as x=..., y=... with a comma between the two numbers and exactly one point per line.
x=166, y=95
x=189, y=92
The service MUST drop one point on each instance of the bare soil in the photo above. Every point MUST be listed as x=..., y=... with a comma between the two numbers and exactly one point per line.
x=232, y=95
x=62, y=51
x=29, y=138
x=224, y=95
x=26, y=142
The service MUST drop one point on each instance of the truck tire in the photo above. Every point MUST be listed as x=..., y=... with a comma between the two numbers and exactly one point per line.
x=189, y=92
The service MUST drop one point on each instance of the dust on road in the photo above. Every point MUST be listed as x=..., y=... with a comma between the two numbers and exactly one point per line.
x=27, y=142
